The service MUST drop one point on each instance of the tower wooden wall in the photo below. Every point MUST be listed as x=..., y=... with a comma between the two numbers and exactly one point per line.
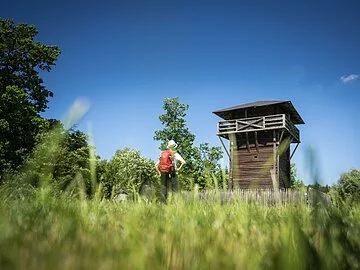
x=252, y=166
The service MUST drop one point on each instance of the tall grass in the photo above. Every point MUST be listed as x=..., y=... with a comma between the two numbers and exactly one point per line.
x=58, y=232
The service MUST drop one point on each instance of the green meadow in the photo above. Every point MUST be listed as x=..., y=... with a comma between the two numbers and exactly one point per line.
x=43, y=230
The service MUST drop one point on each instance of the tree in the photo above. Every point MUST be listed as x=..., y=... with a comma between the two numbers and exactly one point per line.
x=73, y=161
x=347, y=190
x=175, y=129
x=16, y=135
x=201, y=162
x=23, y=95
x=210, y=168
x=295, y=181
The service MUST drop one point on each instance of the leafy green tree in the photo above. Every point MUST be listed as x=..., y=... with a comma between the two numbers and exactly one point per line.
x=201, y=162
x=101, y=165
x=16, y=135
x=295, y=181
x=175, y=128
x=211, y=172
x=73, y=161
x=23, y=95
x=347, y=190
x=128, y=172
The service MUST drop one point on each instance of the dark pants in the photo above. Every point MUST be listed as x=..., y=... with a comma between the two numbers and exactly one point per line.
x=169, y=183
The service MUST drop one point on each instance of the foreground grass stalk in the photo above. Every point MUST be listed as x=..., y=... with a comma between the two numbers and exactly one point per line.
x=61, y=232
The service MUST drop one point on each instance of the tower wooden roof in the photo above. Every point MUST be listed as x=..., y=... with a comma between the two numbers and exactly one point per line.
x=285, y=105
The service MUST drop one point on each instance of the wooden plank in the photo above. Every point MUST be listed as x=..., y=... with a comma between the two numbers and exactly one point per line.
x=266, y=179
x=294, y=150
x=274, y=120
x=281, y=136
x=229, y=122
x=227, y=128
x=253, y=184
x=247, y=142
x=227, y=152
x=251, y=122
x=263, y=181
x=256, y=142
x=233, y=131
x=273, y=172
x=277, y=168
x=271, y=124
x=251, y=167
x=253, y=178
x=247, y=172
x=226, y=122
x=284, y=169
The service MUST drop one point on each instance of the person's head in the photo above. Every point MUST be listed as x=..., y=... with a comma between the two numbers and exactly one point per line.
x=171, y=144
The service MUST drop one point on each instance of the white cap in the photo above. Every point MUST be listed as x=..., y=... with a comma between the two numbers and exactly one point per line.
x=172, y=144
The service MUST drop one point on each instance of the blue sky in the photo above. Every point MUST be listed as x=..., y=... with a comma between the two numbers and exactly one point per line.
x=125, y=57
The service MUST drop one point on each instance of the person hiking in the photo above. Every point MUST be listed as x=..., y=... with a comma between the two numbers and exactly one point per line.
x=166, y=167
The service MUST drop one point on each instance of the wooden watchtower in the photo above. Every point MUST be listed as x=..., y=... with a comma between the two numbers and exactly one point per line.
x=260, y=134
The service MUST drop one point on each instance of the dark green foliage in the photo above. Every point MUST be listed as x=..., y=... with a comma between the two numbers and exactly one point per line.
x=19, y=122
x=101, y=166
x=21, y=59
x=211, y=172
x=201, y=166
x=73, y=159
x=127, y=172
x=319, y=187
x=61, y=159
x=23, y=95
x=175, y=127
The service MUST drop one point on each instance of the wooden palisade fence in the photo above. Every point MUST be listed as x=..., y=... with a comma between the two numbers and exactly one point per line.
x=265, y=197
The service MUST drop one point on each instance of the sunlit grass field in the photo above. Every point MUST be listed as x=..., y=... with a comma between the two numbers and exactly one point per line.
x=47, y=231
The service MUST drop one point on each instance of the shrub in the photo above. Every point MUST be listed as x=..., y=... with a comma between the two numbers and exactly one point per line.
x=128, y=172
x=347, y=191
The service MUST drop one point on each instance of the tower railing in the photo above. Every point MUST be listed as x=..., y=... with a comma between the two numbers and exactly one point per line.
x=261, y=123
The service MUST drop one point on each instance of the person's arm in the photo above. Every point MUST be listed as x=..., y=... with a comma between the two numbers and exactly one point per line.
x=157, y=167
x=180, y=159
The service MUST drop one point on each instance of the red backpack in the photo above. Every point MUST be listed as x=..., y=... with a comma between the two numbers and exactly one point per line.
x=166, y=161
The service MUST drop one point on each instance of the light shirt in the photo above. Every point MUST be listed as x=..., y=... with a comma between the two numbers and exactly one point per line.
x=178, y=157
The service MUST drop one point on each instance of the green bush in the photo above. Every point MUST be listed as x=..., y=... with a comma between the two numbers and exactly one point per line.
x=61, y=159
x=347, y=190
x=127, y=172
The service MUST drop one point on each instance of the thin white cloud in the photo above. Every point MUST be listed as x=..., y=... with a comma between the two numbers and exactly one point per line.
x=349, y=78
